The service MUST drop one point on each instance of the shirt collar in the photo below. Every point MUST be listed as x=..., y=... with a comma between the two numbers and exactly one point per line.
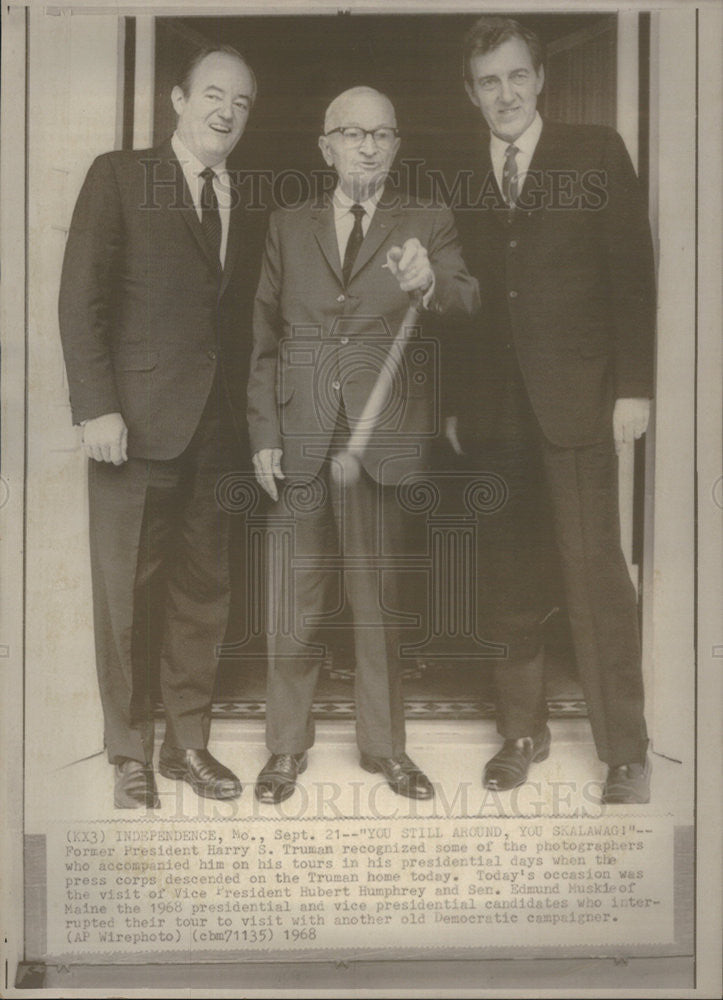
x=343, y=203
x=525, y=143
x=189, y=161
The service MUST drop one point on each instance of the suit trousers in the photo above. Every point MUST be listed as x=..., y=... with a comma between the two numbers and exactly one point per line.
x=329, y=544
x=159, y=544
x=577, y=490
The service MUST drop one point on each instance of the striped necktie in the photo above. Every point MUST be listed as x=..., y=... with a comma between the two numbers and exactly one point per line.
x=509, y=176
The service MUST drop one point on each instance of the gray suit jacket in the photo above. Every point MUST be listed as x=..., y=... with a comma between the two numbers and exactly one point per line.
x=317, y=342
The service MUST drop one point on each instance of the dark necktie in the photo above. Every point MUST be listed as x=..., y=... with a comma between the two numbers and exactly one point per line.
x=210, y=215
x=353, y=243
x=509, y=176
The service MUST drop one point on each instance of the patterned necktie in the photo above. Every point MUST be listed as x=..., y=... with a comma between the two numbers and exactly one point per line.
x=353, y=243
x=509, y=176
x=210, y=215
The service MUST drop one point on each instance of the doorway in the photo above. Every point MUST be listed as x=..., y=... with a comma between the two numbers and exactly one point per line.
x=301, y=63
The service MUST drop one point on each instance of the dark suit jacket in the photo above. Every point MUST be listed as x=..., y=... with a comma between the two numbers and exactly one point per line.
x=316, y=342
x=567, y=283
x=146, y=315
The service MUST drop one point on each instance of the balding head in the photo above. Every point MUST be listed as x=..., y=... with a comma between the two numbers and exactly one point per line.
x=355, y=101
x=362, y=163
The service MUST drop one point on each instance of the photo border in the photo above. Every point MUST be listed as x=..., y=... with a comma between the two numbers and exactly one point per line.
x=13, y=171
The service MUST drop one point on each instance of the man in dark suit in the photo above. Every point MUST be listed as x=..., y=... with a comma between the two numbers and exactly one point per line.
x=562, y=363
x=152, y=304
x=335, y=283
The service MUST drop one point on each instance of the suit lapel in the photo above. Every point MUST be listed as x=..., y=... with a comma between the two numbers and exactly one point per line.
x=540, y=161
x=233, y=245
x=489, y=185
x=184, y=204
x=383, y=223
x=325, y=233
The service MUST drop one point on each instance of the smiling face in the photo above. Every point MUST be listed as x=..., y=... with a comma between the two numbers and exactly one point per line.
x=504, y=85
x=362, y=170
x=213, y=115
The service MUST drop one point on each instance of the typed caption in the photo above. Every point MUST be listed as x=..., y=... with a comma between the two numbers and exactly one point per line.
x=265, y=885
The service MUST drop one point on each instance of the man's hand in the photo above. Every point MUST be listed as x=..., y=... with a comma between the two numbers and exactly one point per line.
x=105, y=439
x=267, y=466
x=450, y=432
x=410, y=266
x=630, y=420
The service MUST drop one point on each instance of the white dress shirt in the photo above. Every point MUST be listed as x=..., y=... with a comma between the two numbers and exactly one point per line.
x=525, y=143
x=192, y=170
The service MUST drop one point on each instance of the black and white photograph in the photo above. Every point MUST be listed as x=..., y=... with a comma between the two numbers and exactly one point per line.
x=360, y=498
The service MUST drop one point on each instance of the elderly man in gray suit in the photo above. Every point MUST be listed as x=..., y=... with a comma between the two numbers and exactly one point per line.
x=335, y=285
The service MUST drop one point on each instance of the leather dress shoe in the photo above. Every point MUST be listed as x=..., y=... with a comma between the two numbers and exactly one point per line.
x=277, y=778
x=509, y=766
x=135, y=786
x=628, y=784
x=206, y=776
x=402, y=775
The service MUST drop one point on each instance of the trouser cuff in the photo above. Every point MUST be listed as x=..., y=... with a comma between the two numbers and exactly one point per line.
x=632, y=752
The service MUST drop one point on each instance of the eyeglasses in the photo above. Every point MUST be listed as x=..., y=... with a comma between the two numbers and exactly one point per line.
x=353, y=136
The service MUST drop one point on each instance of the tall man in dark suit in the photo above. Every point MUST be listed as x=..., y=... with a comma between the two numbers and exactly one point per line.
x=152, y=304
x=562, y=362
x=334, y=289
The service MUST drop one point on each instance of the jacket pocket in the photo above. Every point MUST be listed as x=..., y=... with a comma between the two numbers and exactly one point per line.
x=139, y=360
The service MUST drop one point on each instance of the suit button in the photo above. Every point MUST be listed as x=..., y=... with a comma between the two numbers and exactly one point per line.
x=336, y=385
x=341, y=298
x=344, y=340
x=513, y=295
x=212, y=355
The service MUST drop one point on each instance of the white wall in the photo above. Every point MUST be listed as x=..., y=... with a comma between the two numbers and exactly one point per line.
x=12, y=402
x=710, y=494
x=73, y=114
x=668, y=600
